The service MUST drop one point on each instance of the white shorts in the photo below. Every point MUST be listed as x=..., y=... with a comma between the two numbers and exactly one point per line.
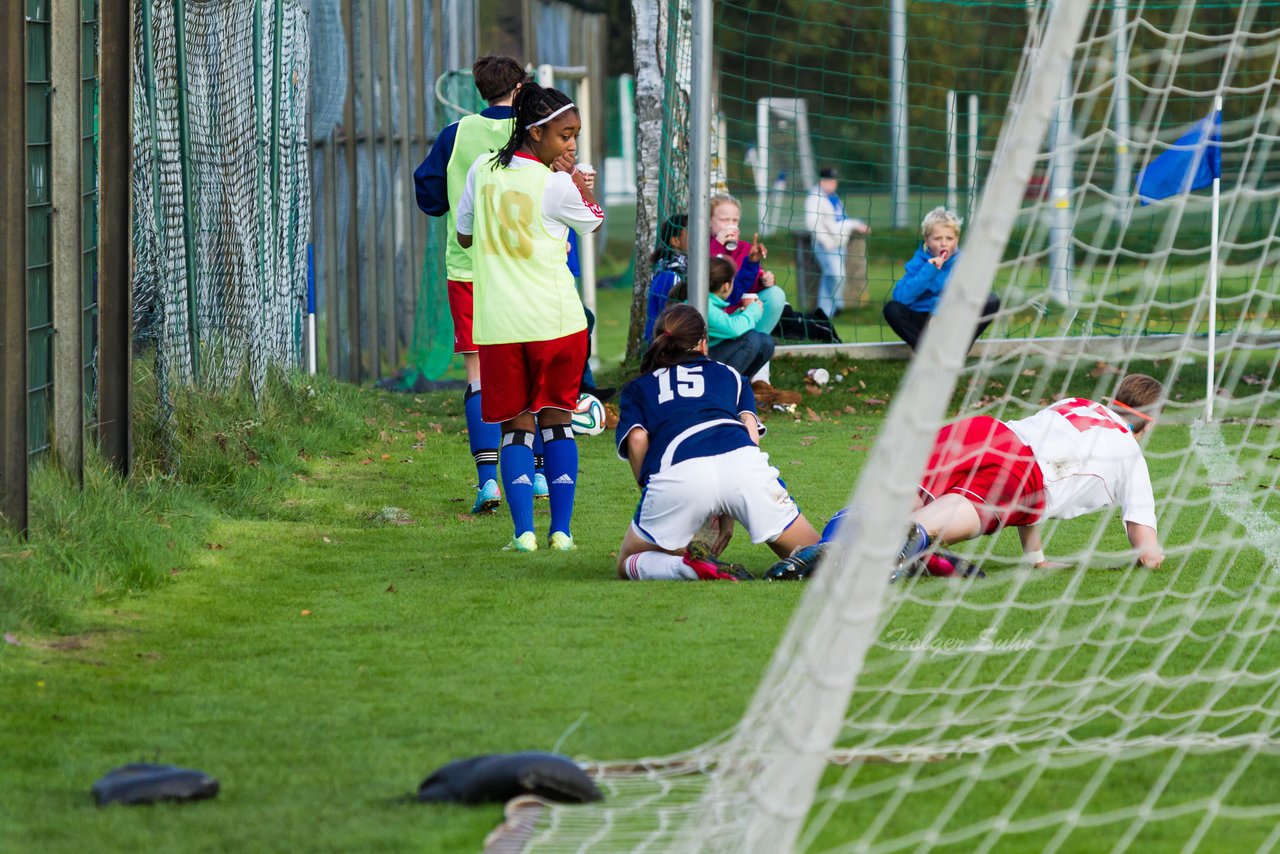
x=741, y=483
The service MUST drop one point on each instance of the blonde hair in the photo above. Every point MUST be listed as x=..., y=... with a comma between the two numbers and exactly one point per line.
x=940, y=216
x=719, y=199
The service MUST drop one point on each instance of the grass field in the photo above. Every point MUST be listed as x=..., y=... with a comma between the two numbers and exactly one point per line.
x=318, y=622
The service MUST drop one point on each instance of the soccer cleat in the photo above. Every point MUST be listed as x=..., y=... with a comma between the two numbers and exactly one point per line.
x=526, y=542
x=799, y=565
x=908, y=570
x=710, y=568
x=914, y=545
x=940, y=564
x=561, y=542
x=540, y=485
x=488, y=497
x=951, y=565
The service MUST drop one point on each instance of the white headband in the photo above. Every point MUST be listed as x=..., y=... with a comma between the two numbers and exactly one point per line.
x=568, y=106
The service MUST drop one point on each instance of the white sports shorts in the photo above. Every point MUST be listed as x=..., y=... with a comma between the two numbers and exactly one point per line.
x=741, y=483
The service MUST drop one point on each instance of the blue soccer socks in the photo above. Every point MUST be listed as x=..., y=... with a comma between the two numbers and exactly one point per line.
x=562, y=474
x=484, y=438
x=517, y=478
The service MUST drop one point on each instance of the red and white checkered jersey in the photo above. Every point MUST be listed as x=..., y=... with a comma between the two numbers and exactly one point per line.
x=1089, y=459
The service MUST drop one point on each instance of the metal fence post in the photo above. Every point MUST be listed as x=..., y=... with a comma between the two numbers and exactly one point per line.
x=115, y=317
x=13, y=270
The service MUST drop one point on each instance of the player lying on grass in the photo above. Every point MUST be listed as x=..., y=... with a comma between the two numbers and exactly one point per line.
x=1071, y=458
x=688, y=427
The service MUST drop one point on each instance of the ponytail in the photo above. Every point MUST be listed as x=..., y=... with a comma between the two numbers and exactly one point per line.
x=675, y=335
x=533, y=105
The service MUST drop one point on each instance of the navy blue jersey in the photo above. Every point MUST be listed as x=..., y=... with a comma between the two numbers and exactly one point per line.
x=691, y=410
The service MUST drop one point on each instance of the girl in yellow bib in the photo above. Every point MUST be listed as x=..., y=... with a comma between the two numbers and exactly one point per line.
x=516, y=212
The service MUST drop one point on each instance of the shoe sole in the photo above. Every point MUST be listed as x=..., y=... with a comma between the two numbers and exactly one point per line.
x=486, y=506
x=510, y=547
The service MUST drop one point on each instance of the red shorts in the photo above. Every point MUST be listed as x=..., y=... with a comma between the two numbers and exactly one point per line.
x=461, y=303
x=531, y=375
x=983, y=460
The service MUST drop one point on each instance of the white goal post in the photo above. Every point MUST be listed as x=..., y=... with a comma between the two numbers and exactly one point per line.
x=1098, y=705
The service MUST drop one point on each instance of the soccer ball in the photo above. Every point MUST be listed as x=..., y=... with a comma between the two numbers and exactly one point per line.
x=588, y=415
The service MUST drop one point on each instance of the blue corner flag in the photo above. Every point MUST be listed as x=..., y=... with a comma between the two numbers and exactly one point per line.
x=1192, y=162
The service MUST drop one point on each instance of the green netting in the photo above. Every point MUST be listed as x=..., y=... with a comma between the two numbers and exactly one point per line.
x=221, y=190
x=807, y=84
x=432, y=349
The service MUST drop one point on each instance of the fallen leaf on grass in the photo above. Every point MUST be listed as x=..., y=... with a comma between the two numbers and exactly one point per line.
x=386, y=456
x=305, y=613
x=366, y=461
x=174, y=570
x=434, y=426
x=326, y=539
x=872, y=401
x=214, y=547
x=1251, y=379
x=862, y=449
x=420, y=435
x=811, y=415
x=12, y=639
x=466, y=517
x=851, y=410
x=392, y=589
x=808, y=440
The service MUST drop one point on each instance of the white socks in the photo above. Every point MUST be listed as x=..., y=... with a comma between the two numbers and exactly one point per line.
x=762, y=374
x=658, y=566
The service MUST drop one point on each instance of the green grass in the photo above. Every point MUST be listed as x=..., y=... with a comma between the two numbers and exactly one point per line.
x=321, y=660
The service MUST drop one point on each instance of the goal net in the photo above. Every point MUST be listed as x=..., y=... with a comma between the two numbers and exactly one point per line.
x=1097, y=707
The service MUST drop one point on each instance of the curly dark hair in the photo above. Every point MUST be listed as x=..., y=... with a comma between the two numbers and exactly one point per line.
x=532, y=104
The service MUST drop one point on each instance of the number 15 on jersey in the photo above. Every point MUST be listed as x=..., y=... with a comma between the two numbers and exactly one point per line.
x=687, y=382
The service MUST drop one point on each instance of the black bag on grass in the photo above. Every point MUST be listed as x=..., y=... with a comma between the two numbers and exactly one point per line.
x=813, y=327
x=500, y=777
x=144, y=783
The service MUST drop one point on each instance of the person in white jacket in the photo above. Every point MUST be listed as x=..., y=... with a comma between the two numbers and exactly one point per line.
x=825, y=218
